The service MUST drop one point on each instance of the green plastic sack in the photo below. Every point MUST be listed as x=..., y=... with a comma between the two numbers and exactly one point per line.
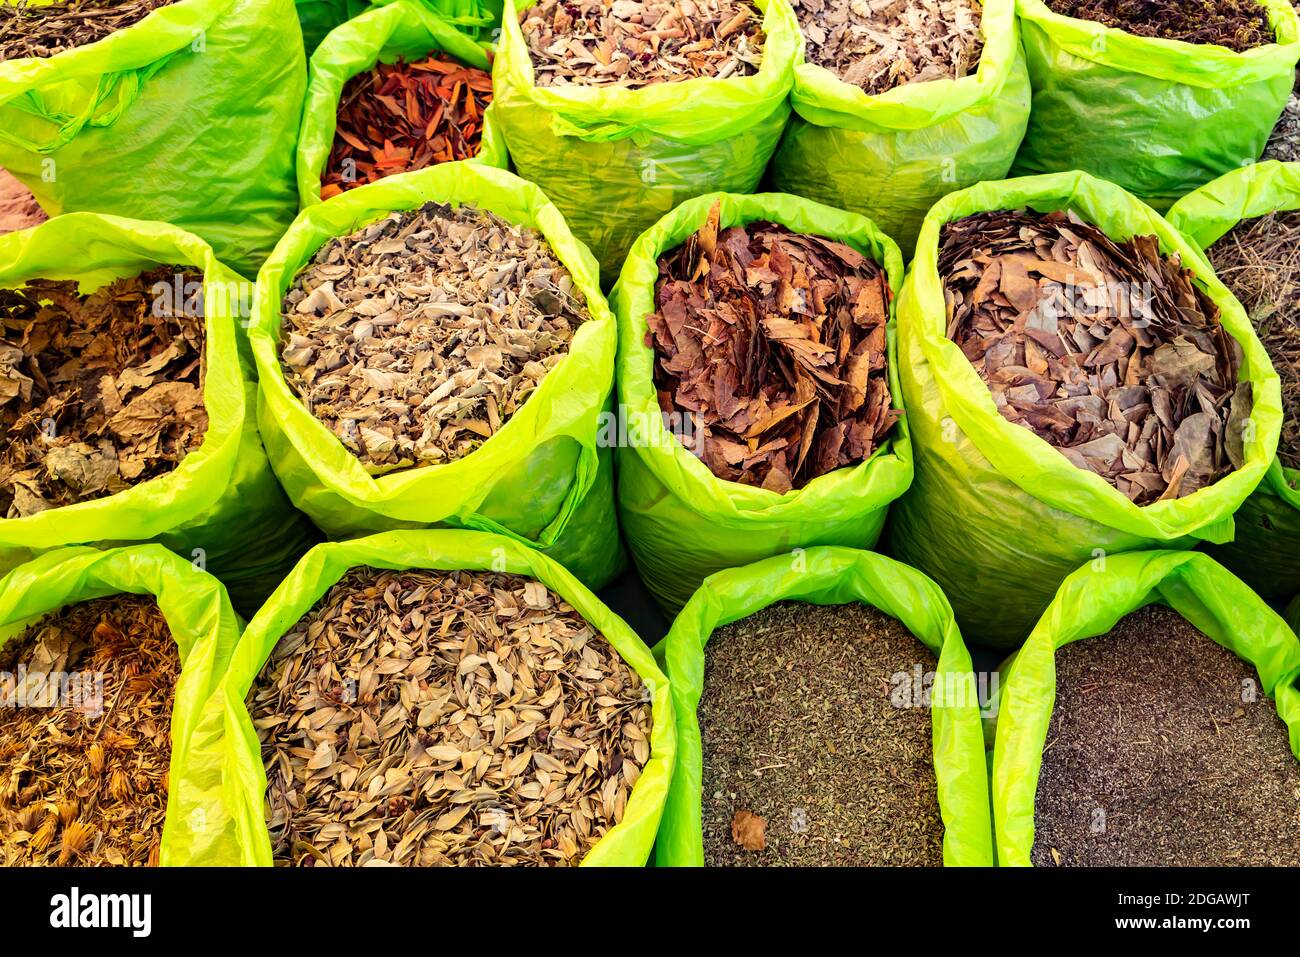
x=318, y=17
x=682, y=522
x=996, y=515
x=1158, y=117
x=616, y=160
x=831, y=576
x=189, y=117
x=892, y=156
x=222, y=506
x=1089, y=603
x=1266, y=551
x=202, y=622
x=544, y=479
x=224, y=739
x=405, y=29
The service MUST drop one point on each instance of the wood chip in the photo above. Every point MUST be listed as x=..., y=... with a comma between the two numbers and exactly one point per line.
x=98, y=391
x=84, y=757
x=773, y=344
x=435, y=718
x=882, y=44
x=416, y=338
x=18, y=207
x=631, y=44
x=1108, y=351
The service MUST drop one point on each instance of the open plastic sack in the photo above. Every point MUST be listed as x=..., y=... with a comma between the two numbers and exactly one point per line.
x=996, y=515
x=1089, y=603
x=616, y=160
x=682, y=522
x=188, y=117
x=890, y=157
x=225, y=754
x=831, y=576
x=222, y=505
x=543, y=479
x=1158, y=117
x=404, y=29
x=206, y=632
x=1266, y=552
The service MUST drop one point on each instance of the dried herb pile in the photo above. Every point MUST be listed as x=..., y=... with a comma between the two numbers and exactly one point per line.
x=83, y=774
x=97, y=391
x=807, y=760
x=423, y=718
x=1158, y=755
x=882, y=44
x=1284, y=141
x=1108, y=351
x=416, y=338
x=18, y=207
x=28, y=30
x=631, y=44
x=773, y=343
x=1236, y=24
x=406, y=116
x=1259, y=261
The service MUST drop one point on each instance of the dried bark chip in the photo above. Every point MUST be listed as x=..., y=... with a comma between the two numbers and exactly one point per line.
x=816, y=742
x=1163, y=751
x=404, y=116
x=98, y=391
x=1108, y=351
x=1236, y=24
x=631, y=44
x=85, y=735
x=28, y=30
x=772, y=346
x=416, y=338
x=882, y=44
x=446, y=718
x=18, y=207
x=1259, y=260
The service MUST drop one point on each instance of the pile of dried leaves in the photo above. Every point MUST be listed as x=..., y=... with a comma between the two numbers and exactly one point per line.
x=882, y=44
x=29, y=30
x=98, y=391
x=422, y=718
x=1164, y=751
x=817, y=742
x=635, y=43
x=417, y=337
x=85, y=735
x=402, y=117
x=1108, y=351
x=1259, y=261
x=773, y=344
x=1236, y=24
x=1284, y=141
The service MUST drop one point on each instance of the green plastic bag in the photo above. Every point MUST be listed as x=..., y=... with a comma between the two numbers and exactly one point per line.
x=1266, y=551
x=189, y=117
x=221, y=506
x=681, y=521
x=996, y=515
x=405, y=29
x=202, y=622
x=318, y=17
x=1089, y=603
x=616, y=160
x=543, y=479
x=831, y=576
x=892, y=156
x=225, y=737
x=1158, y=117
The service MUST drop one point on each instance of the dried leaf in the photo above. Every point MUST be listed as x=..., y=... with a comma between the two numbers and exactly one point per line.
x=29, y=30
